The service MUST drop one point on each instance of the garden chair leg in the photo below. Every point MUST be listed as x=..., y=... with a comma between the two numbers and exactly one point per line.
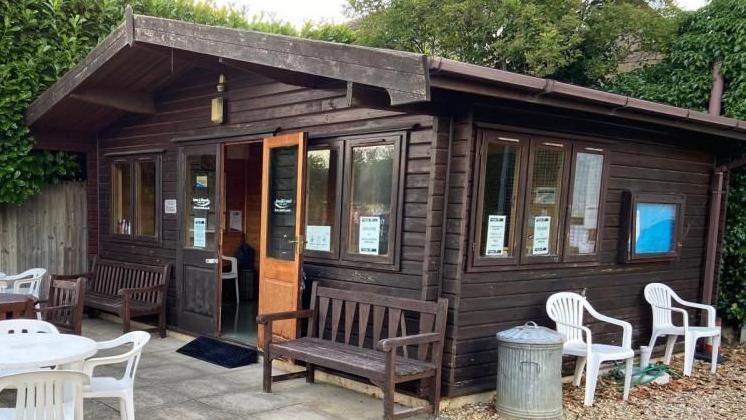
x=715, y=349
x=690, y=344
x=579, y=366
x=591, y=376
x=627, y=378
x=670, y=342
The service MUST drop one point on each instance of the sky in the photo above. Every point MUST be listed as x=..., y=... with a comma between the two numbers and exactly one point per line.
x=299, y=11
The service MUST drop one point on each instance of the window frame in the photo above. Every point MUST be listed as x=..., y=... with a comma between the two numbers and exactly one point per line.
x=573, y=145
x=631, y=200
x=485, y=137
x=333, y=255
x=372, y=261
x=589, y=148
x=550, y=144
x=132, y=160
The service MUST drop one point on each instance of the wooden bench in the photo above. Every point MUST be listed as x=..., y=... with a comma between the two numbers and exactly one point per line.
x=126, y=289
x=339, y=338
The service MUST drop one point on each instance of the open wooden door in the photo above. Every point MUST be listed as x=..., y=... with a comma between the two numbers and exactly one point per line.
x=281, y=242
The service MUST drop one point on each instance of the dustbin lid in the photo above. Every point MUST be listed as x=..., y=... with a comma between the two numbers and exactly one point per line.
x=530, y=333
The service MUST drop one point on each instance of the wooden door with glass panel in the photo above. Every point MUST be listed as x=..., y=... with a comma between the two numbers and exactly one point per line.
x=198, y=253
x=281, y=239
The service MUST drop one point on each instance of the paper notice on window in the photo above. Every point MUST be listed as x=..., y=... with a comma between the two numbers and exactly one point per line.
x=369, y=235
x=541, y=235
x=200, y=228
x=236, y=220
x=495, y=241
x=319, y=238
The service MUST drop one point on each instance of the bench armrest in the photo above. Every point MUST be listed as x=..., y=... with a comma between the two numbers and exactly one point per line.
x=88, y=276
x=278, y=316
x=128, y=292
x=389, y=344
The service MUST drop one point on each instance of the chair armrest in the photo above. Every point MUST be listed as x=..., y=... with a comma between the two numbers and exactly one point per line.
x=626, y=327
x=90, y=364
x=279, y=316
x=586, y=330
x=684, y=314
x=710, y=310
x=388, y=344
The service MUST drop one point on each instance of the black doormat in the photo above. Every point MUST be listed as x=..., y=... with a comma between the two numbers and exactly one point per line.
x=218, y=352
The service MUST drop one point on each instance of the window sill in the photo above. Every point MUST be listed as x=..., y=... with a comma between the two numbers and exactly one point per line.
x=131, y=239
x=531, y=266
x=386, y=267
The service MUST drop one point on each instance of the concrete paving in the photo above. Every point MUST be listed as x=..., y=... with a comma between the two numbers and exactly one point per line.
x=172, y=386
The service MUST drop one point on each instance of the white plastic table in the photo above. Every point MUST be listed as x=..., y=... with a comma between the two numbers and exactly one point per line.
x=38, y=350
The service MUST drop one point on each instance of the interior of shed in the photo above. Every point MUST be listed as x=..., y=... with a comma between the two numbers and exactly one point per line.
x=242, y=169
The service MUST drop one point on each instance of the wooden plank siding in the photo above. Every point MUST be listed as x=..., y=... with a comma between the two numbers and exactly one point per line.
x=255, y=101
x=488, y=302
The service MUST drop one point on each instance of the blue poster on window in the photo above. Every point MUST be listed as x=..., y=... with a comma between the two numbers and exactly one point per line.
x=655, y=223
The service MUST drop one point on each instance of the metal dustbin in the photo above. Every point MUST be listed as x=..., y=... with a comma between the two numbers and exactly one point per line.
x=529, y=373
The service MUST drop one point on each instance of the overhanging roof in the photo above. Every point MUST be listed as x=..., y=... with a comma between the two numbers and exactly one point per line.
x=132, y=61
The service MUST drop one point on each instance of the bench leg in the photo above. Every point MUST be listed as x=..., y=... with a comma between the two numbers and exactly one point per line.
x=125, y=315
x=389, y=388
x=310, y=372
x=162, y=323
x=267, y=374
x=435, y=394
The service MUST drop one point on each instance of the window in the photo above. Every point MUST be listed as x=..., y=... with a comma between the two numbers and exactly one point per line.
x=323, y=187
x=537, y=200
x=654, y=224
x=352, y=189
x=135, y=190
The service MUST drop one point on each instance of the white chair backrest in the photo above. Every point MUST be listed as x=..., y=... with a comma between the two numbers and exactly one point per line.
x=567, y=307
x=138, y=340
x=661, y=295
x=234, y=264
x=25, y=326
x=28, y=282
x=41, y=395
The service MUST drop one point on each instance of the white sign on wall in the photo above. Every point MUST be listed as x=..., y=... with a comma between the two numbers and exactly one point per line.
x=495, y=241
x=200, y=229
x=541, y=235
x=235, y=220
x=369, y=235
x=169, y=206
x=319, y=238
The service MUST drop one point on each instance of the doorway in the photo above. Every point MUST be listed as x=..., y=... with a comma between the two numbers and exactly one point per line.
x=242, y=194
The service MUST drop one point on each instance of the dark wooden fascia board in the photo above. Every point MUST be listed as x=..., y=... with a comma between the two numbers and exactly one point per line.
x=650, y=112
x=404, y=75
x=102, y=53
x=123, y=100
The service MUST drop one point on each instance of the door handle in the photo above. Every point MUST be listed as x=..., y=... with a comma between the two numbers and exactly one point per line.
x=211, y=260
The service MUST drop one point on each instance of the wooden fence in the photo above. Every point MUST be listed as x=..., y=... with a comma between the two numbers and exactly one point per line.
x=47, y=231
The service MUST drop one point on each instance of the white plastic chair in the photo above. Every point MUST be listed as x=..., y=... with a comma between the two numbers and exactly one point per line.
x=122, y=388
x=28, y=282
x=233, y=274
x=660, y=297
x=43, y=395
x=24, y=326
x=566, y=310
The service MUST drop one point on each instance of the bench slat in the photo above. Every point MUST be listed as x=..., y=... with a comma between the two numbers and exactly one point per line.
x=349, y=319
x=362, y=321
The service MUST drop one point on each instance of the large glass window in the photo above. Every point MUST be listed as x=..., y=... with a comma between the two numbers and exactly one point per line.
x=322, y=182
x=540, y=196
x=583, y=218
x=121, y=216
x=372, y=168
x=544, y=205
x=500, y=198
x=145, y=202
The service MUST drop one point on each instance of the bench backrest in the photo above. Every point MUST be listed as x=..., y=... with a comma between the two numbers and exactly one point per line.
x=362, y=319
x=110, y=276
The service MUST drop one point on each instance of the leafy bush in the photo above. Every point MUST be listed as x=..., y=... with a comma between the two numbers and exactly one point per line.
x=41, y=40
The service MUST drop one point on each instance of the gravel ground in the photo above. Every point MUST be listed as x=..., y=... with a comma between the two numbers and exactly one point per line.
x=701, y=396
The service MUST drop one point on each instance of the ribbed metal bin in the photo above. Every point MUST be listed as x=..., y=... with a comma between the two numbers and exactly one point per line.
x=529, y=373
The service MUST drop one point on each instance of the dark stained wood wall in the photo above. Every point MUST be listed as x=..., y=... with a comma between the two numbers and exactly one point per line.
x=489, y=302
x=255, y=102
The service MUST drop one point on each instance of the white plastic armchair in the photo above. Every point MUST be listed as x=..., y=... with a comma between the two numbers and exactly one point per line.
x=57, y=395
x=232, y=274
x=28, y=282
x=566, y=309
x=121, y=388
x=25, y=326
x=661, y=298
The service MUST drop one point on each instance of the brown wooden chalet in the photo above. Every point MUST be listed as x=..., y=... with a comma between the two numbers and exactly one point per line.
x=382, y=171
